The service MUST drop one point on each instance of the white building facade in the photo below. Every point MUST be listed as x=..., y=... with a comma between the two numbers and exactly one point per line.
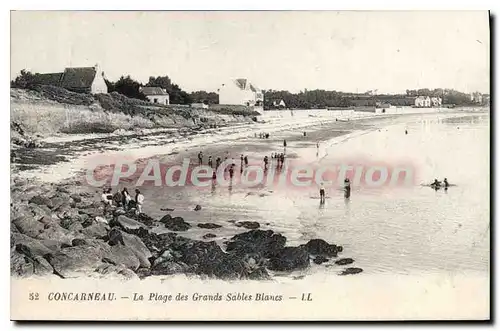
x=156, y=95
x=241, y=92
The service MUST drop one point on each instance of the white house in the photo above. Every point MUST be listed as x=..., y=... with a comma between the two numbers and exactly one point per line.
x=423, y=102
x=279, y=104
x=436, y=102
x=156, y=94
x=76, y=79
x=240, y=92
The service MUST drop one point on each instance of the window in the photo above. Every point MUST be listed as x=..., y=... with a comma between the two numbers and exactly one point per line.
x=155, y=100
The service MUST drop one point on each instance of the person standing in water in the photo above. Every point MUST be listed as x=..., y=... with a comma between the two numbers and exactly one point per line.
x=200, y=158
x=347, y=188
x=446, y=184
x=322, y=193
x=241, y=159
x=246, y=160
x=210, y=162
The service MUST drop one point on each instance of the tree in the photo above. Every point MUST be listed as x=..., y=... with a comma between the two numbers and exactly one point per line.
x=25, y=80
x=209, y=98
x=128, y=87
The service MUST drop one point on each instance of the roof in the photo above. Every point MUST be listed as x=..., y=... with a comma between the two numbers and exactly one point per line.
x=243, y=84
x=153, y=90
x=78, y=77
x=48, y=79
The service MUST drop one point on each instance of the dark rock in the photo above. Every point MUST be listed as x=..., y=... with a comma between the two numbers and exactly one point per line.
x=351, y=271
x=344, y=261
x=197, y=208
x=78, y=242
x=248, y=225
x=126, y=223
x=143, y=218
x=259, y=274
x=320, y=259
x=263, y=243
x=165, y=218
x=207, y=258
x=289, y=259
x=76, y=197
x=209, y=226
x=42, y=200
x=320, y=247
x=176, y=224
x=209, y=235
x=156, y=242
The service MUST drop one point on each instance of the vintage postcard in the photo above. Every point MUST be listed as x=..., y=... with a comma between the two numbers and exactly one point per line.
x=250, y=166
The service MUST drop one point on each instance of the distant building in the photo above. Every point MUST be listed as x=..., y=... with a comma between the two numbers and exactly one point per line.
x=240, y=92
x=423, y=102
x=279, y=104
x=156, y=94
x=80, y=80
x=476, y=97
x=436, y=102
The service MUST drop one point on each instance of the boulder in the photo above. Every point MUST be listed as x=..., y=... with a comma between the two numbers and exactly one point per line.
x=134, y=243
x=146, y=219
x=76, y=197
x=262, y=243
x=157, y=242
x=126, y=223
x=351, y=271
x=29, y=226
x=248, y=225
x=121, y=254
x=289, y=259
x=207, y=258
x=56, y=232
x=209, y=236
x=97, y=230
x=29, y=246
x=111, y=271
x=20, y=265
x=176, y=224
x=197, y=208
x=78, y=260
x=320, y=259
x=209, y=226
x=344, y=261
x=320, y=247
x=78, y=242
x=42, y=200
x=169, y=268
x=165, y=218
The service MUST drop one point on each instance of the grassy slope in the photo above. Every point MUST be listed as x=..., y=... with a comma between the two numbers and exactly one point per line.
x=48, y=110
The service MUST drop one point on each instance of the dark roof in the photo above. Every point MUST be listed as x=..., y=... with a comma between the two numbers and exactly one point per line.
x=49, y=79
x=242, y=84
x=76, y=78
x=153, y=90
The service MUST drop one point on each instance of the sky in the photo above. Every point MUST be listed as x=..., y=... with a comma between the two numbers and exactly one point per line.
x=350, y=51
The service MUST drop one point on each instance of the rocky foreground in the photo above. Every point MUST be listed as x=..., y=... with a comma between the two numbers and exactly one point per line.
x=62, y=230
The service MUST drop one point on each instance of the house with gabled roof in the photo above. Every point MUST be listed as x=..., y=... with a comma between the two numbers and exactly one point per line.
x=240, y=92
x=156, y=94
x=76, y=79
